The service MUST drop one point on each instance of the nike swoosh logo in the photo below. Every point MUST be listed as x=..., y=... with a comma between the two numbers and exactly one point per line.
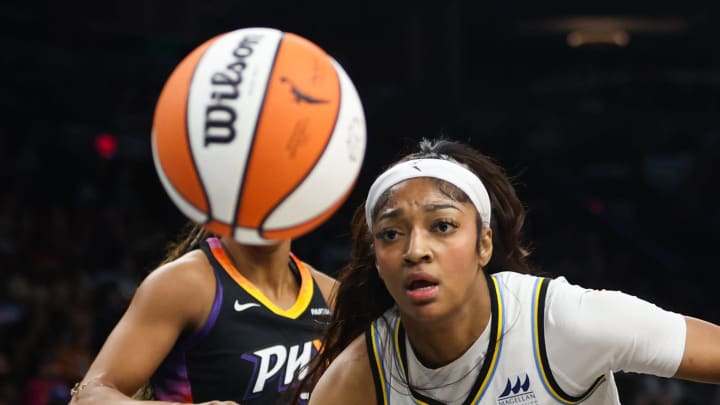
x=241, y=307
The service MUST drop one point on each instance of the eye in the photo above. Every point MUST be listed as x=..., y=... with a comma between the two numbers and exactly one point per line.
x=387, y=235
x=445, y=226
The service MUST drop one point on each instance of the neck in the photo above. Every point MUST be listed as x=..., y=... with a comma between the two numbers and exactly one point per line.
x=440, y=342
x=266, y=267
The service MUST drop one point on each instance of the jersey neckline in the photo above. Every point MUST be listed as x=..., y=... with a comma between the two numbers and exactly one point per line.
x=304, y=294
x=492, y=354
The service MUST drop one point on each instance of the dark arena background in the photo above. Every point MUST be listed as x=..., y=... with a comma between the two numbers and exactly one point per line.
x=606, y=112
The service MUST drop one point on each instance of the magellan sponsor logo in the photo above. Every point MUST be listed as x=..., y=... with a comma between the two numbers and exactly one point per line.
x=219, y=114
x=517, y=392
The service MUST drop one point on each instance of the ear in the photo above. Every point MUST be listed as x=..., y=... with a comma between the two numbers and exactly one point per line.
x=486, y=246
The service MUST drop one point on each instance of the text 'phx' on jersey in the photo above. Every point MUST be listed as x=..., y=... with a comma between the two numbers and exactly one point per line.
x=278, y=362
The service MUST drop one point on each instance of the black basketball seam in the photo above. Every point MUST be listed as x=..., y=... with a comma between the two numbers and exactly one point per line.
x=316, y=216
x=261, y=230
x=254, y=134
x=187, y=135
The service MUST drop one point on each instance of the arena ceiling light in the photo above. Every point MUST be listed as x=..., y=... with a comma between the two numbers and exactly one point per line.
x=604, y=30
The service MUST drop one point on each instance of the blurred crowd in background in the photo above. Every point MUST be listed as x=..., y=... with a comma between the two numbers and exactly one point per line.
x=615, y=147
x=72, y=253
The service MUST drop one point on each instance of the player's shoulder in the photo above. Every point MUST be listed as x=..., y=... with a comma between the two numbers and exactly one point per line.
x=513, y=281
x=327, y=284
x=191, y=269
x=513, y=276
x=355, y=354
x=186, y=284
x=562, y=290
x=348, y=379
x=320, y=277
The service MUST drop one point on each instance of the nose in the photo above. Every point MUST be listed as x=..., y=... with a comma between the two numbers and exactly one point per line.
x=418, y=249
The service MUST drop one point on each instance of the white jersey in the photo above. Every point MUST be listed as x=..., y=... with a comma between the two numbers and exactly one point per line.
x=548, y=342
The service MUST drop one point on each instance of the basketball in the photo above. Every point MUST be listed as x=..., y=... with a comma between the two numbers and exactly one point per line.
x=259, y=135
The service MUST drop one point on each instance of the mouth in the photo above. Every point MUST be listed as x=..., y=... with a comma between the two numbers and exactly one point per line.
x=420, y=285
x=421, y=288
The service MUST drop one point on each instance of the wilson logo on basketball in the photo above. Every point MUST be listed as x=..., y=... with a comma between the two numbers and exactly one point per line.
x=220, y=117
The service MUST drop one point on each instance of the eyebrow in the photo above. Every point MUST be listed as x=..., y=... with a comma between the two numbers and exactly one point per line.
x=395, y=212
x=435, y=207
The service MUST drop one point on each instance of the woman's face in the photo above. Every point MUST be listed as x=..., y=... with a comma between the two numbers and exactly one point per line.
x=426, y=250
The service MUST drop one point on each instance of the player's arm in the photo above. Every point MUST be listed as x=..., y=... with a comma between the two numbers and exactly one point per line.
x=608, y=331
x=328, y=285
x=701, y=358
x=348, y=380
x=175, y=297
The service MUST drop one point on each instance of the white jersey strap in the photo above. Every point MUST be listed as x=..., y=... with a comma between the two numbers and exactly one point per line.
x=540, y=353
x=377, y=344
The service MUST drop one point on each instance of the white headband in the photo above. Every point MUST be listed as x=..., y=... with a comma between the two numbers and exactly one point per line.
x=453, y=173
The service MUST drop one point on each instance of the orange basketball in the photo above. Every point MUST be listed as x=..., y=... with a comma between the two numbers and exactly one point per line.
x=259, y=135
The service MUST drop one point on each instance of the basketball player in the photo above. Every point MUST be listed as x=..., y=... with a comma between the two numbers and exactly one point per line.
x=437, y=306
x=217, y=321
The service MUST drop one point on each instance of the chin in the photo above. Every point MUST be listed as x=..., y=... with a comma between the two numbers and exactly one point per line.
x=427, y=312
